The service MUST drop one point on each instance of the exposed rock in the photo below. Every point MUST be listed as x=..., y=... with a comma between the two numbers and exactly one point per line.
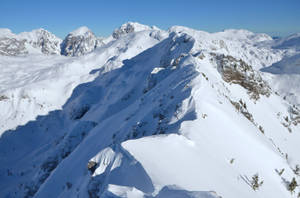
x=238, y=72
x=128, y=28
x=92, y=166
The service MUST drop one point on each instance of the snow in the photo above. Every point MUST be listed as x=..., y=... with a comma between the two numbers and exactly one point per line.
x=35, y=42
x=290, y=42
x=153, y=112
x=5, y=32
x=38, y=84
x=80, y=31
x=240, y=44
x=130, y=27
x=288, y=65
x=137, y=26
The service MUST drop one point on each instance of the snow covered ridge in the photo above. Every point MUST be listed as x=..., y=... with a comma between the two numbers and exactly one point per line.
x=151, y=114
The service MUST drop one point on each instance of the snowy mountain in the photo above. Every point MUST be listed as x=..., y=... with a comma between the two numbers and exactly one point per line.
x=129, y=28
x=77, y=43
x=150, y=113
x=41, y=39
x=290, y=42
x=285, y=74
x=36, y=41
x=80, y=42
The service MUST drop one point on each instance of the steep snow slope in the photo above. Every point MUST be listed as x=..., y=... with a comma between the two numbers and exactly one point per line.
x=186, y=116
x=35, y=85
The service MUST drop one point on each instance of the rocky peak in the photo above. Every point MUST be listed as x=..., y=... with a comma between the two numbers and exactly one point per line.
x=128, y=28
x=80, y=42
x=42, y=39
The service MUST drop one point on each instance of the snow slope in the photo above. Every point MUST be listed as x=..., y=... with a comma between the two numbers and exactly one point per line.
x=291, y=42
x=182, y=113
x=284, y=75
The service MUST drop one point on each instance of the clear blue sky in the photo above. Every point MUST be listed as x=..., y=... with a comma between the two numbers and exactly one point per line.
x=275, y=17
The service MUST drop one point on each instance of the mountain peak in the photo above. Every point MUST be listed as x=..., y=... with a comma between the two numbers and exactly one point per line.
x=80, y=31
x=128, y=28
x=5, y=32
x=79, y=42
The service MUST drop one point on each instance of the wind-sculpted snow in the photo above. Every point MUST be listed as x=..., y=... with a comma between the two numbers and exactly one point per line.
x=154, y=114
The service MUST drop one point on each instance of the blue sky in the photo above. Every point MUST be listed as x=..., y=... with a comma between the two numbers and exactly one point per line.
x=275, y=17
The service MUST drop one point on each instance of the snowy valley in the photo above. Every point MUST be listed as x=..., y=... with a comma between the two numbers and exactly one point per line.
x=149, y=113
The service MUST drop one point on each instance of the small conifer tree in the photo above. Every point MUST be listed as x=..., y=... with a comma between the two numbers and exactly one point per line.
x=255, y=183
x=292, y=186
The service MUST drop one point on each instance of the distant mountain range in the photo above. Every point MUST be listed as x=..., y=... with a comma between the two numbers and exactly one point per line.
x=78, y=42
x=82, y=41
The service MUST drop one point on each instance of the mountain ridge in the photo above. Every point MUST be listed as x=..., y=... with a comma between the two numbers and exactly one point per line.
x=152, y=114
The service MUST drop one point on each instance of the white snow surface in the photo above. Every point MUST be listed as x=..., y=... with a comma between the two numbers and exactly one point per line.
x=5, y=32
x=80, y=31
x=150, y=114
